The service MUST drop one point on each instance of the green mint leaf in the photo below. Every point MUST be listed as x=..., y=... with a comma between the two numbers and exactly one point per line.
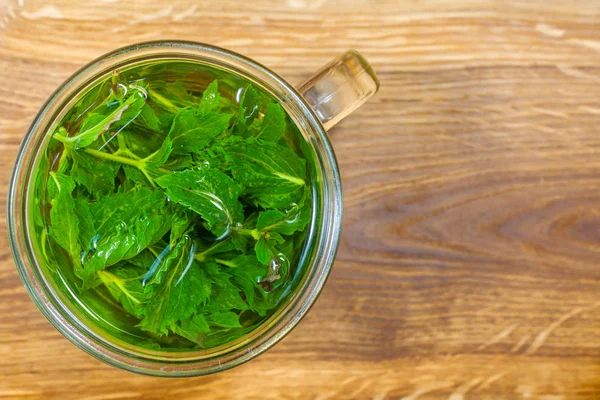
x=160, y=156
x=227, y=298
x=177, y=289
x=192, y=131
x=147, y=168
x=273, y=175
x=141, y=142
x=254, y=128
x=225, y=295
x=183, y=218
x=240, y=242
x=264, y=250
x=96, y=124
x=244, y=235
x=39, y=190
x=273, y=125
x=97, y=176
x=281, y=222
x=94, y=120
x=131, y=114
x=194, y=329
x=89, y=102
x=135, y=175
x=125, y=224
x=64, y=227
x=247, y=273
x=148, y=119
x=277, y=261
x=124, y=282
x=170, y=97
x=214, y=156
x=178, y=163
x=265, y=302
x=294, y=219
x=268, y=254
x=211, y=99
x=225, y=319
x=165, y=121
x=274, y=236
x=206, y=252
x=249, y=107
x=147, y=257
x=236, y=262
x=86, y=223
x=209, y=193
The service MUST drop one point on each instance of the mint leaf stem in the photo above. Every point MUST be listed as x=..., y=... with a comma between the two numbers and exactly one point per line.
x=248, y=232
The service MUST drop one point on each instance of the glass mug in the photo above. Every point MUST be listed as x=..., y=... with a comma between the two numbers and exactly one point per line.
x=315, y=106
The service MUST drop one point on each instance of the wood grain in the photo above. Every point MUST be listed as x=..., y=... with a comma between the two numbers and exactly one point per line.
x=468, y=267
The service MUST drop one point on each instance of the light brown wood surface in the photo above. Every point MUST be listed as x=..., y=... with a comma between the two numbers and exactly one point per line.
x=469, y=261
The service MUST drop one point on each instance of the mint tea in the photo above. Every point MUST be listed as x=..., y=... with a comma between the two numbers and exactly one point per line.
x=172, y=206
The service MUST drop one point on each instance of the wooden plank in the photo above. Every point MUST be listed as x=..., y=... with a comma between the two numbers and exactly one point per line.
x=468, y=261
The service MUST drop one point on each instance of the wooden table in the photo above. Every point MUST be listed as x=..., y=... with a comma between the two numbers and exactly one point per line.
x=468, y=265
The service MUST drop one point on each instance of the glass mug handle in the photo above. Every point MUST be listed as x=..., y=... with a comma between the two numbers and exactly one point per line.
x=340, y=87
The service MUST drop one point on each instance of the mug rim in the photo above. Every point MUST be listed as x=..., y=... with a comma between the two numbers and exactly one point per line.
x=99, y=347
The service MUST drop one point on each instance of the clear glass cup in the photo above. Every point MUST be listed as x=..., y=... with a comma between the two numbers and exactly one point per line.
x=317, y=105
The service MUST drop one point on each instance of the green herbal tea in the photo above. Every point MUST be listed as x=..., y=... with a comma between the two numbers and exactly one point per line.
x=172, y=206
